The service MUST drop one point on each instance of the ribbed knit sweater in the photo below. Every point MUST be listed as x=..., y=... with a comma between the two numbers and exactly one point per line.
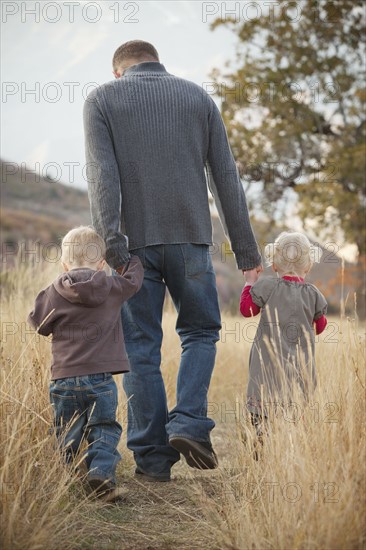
x=151, y=139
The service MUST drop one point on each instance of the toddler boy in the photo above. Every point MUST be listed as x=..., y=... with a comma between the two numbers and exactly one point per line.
x=82, y=311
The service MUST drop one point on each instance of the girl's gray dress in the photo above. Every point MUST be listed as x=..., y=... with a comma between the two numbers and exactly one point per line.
x=282, y=353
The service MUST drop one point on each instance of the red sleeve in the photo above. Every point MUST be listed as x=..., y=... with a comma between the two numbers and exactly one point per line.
x=320, y=324
x=247, y=307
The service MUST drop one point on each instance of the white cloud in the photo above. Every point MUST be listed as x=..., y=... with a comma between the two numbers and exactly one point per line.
x=57, y=36
x=40, y=154
x=84, y=42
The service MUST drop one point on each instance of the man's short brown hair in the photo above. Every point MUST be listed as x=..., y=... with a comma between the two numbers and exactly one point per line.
x=134, y=49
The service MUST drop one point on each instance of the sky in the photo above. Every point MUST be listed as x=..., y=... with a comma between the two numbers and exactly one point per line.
x=53, y=53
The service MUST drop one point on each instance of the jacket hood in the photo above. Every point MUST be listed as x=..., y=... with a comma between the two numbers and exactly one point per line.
x=84, y=286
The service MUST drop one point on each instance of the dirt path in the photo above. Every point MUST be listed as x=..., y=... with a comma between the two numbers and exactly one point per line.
x=158, y=515
x=162, y=515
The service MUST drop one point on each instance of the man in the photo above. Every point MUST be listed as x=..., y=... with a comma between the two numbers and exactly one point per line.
x=150, y=138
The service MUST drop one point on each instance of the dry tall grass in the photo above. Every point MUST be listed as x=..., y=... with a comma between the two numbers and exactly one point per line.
x=306, y=491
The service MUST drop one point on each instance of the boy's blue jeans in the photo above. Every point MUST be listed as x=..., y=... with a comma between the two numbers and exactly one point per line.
x=85, y=408
x=186, y=270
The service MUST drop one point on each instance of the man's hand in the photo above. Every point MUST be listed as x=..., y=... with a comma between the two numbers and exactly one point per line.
x=252, y=275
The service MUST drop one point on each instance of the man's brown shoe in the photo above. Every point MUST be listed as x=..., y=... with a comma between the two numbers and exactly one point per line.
x=198, y=454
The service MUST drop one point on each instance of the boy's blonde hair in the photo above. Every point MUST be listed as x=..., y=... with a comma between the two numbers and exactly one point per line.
x=292, y=253
x=82, y=247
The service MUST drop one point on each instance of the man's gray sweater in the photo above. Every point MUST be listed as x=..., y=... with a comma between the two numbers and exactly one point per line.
x=151, y=137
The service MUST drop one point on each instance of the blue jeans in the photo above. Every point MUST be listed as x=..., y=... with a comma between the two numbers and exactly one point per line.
x=186, y=270
x=85, y=408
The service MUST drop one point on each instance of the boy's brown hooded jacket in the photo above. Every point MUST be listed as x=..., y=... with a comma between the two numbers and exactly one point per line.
x=82, y=311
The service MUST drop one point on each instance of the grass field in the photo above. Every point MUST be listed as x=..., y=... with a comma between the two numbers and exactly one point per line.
x=306, y=491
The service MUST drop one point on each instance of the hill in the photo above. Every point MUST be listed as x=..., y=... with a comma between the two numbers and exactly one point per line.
x=34, y=208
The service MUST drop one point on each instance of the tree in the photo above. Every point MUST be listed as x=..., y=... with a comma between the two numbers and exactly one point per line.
x=293, y=103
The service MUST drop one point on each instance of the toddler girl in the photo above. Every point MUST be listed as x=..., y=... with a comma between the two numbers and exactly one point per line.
x=282, y=353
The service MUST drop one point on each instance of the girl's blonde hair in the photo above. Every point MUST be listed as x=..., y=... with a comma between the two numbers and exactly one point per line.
x=82, y=246
x=292, y=253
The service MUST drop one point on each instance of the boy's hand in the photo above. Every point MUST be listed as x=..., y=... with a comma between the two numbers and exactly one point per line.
x=252, y=275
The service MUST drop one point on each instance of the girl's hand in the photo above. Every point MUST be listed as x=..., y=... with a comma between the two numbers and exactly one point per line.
x=252, y=275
